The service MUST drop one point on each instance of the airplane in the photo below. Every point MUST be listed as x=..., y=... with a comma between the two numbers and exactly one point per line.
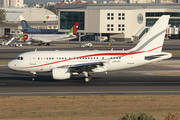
x=65, y=64
x=47, y=38
x=26, y=28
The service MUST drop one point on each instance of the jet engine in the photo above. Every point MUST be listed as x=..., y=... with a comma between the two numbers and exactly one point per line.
x=61, y=73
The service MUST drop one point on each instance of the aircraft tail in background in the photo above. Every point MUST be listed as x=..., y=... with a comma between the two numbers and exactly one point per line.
x=74, y=29
x=24, y=23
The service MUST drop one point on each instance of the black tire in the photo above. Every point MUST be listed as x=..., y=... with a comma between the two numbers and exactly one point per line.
x=33, y=79
x=88, y=79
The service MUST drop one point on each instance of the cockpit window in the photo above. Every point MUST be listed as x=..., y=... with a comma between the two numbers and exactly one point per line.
x=19, y=58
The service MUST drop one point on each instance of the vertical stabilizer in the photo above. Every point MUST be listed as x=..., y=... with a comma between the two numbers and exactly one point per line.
x=74, y=29
x=24, y=23
x=154, y=39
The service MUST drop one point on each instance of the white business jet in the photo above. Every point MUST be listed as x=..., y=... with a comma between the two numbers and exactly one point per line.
x=26, y=28
x=64, y=64
x=48, y=38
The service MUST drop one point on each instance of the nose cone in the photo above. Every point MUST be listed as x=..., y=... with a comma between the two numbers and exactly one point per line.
x=10, y=65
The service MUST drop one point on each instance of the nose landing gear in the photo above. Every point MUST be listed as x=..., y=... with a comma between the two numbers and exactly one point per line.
x=34, y=76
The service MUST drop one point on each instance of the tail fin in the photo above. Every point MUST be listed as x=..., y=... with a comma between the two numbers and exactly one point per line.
x=24, y=23
x=154, y=39
x=74, y=29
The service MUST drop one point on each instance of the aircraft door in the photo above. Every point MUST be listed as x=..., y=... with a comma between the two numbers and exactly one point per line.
x=130, y=60
x=32, y=59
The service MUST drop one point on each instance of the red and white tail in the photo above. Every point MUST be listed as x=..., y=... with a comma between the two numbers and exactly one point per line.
x=25, y=37
x=75, y=28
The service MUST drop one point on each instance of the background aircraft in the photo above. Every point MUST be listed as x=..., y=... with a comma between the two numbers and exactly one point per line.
x=64, y=64
x=47, y=38
x=26, y=28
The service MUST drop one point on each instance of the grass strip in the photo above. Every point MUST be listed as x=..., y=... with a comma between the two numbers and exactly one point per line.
x=4, y=62
x=89, y=107
x=168, y=73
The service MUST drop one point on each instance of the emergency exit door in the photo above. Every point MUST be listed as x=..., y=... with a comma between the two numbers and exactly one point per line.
x=32, y=59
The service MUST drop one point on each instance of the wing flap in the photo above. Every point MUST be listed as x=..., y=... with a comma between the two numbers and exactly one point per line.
x=83, y=65
x=89, y=67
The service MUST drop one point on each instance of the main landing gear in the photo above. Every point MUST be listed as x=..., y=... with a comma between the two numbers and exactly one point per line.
x=87, y=77
x=34, y=76
x=39, y=43
x=47, y=44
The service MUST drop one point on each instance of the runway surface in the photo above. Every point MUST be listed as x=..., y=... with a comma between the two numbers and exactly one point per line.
x=140, y=80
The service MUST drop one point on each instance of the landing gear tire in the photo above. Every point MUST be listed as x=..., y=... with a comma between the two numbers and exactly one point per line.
x=39, y=43
x=33, y=79
x=47, y=44
x=88, y=79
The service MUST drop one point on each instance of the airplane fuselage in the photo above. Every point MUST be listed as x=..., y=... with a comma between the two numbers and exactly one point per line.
x=44, y=61
x=45, y=38
x=39, y=31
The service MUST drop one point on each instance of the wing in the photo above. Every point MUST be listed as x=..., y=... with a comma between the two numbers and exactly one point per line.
x=88, y=67
x=66, y=38
x=42, y=40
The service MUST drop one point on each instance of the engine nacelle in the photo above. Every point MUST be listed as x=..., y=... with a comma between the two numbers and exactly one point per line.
x=61, y=73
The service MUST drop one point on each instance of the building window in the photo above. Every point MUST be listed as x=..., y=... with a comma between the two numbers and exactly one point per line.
x=119, y=18
x=112, y=25
x=122, y=29
x=172, y=21
x=159, y=14
x=123, y=18
x=119, y=25
x=119, y=14
x=112, y=29
x=123, y=14
x=108, y=29
x=119, y=29
x=68, y=19
x=123, y=25
x=108, y=25
x=110, y=16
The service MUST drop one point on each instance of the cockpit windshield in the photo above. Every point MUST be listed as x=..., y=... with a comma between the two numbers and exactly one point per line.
x=19, y=58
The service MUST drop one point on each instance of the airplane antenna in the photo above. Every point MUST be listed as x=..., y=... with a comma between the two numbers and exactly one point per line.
x=35, y=49
x=111, y=49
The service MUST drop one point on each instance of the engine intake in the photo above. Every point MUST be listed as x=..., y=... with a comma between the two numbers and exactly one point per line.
x=61, y=73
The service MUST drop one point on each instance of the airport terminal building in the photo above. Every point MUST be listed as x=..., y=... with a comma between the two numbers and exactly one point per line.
x=118, y=21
